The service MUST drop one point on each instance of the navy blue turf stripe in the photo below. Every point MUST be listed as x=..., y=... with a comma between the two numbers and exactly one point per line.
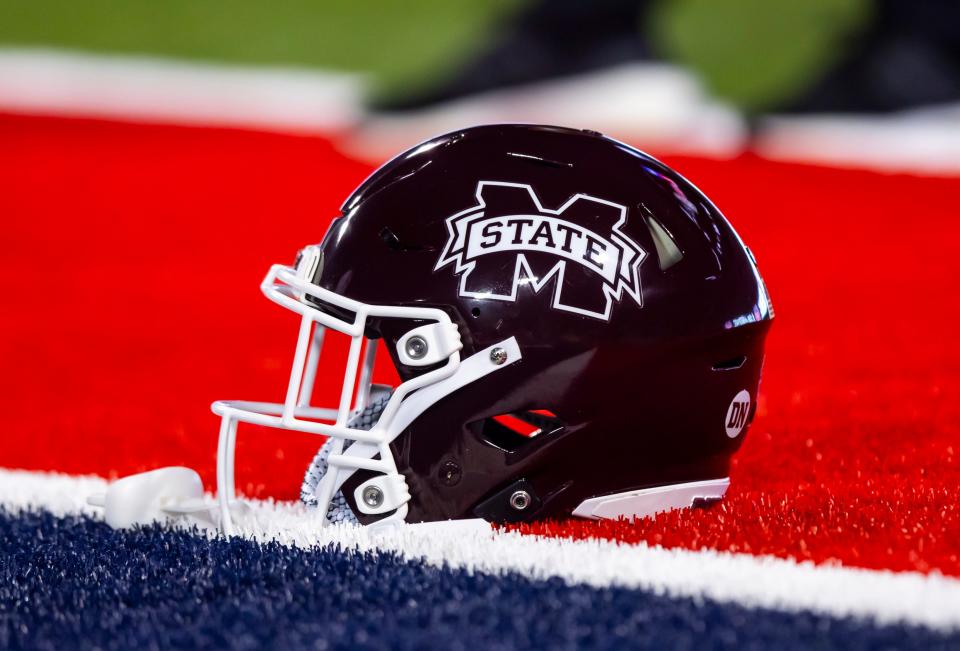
x=72, y=583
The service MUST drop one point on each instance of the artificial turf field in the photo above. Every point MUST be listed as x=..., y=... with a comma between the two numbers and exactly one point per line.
x=130, y=269
x=130, y=261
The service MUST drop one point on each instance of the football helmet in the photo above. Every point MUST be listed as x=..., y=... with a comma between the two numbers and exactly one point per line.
x=576, y=328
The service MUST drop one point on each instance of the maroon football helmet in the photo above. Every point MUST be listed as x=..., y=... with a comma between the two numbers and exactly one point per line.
x=576, y=328
x=615, y=321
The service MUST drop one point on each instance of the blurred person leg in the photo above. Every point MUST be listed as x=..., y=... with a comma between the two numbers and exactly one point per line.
x=545, y=40
x=908, y=57
x=571, y=63
x=891, y=102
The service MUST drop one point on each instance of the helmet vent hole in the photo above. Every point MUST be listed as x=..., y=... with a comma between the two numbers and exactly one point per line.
x=513, y=430
x=730, y=364
x=390, y=238
x=393, y=241
x=539, y=160
x=668, y=252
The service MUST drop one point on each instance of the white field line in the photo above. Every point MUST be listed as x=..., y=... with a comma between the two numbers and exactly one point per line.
x=651, y=106
x=884, y=597
x=920, y=141
x=145, y=89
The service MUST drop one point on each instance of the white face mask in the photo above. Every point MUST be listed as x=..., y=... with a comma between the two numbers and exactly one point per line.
x=352, y=449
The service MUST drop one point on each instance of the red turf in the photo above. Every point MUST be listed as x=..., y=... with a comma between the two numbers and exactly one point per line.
x=130, y=270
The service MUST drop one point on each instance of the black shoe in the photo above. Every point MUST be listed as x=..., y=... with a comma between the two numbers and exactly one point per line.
x=551, y=39
x=908, y=58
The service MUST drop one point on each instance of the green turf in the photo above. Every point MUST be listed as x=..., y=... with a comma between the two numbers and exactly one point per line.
x=754, y=52
x=757, y=52
x=398, y=42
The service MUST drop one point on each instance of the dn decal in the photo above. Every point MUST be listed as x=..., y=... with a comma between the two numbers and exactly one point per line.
x=737, y=414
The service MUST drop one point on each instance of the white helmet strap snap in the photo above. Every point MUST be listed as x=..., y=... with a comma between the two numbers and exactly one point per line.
x=428, y=344
x=381, y=494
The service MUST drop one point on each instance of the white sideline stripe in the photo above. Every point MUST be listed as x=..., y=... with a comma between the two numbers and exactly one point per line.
x=657, y=107
x=651, y=105
x=146, y=89
x=884, y=597
x=925, y=141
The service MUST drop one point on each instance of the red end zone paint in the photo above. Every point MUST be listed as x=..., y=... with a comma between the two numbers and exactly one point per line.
x=130, y=269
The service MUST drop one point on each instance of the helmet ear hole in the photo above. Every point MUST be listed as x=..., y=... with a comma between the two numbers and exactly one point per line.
x=511, y=431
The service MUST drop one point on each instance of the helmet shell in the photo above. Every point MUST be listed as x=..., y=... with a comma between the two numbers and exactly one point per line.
x=634, y=345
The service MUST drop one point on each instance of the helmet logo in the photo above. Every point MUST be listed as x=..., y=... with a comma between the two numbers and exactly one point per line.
x=582, y=239
x=737, y=414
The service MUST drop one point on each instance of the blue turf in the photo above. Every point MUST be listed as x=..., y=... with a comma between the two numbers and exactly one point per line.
x=72, y=583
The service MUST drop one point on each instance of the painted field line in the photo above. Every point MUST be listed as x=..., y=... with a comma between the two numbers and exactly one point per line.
x=759, y=581
x=145, y=89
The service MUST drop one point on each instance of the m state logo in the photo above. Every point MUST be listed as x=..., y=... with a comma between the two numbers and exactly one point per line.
x=508, y=240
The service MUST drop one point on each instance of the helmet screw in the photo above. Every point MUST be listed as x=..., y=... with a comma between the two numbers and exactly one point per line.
x=372, y=496
x=416, y=347
x=498, y=356
x=520, y=500
x=450, y=473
